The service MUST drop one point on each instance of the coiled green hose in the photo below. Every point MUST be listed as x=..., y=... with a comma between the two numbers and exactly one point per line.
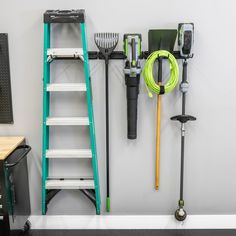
x=148, y=72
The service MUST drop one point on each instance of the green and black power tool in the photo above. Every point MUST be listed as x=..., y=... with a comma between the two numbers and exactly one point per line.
x=132, y=70
x=186, y=39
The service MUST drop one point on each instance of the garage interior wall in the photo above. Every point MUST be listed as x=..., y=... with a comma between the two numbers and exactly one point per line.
x=210, y=141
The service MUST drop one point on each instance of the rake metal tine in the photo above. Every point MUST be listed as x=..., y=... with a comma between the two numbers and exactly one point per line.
x=111, y=40
x=100, y=38
x=100, y=42
x=105, y=40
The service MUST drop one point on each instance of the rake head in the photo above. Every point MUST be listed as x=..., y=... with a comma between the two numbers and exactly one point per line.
x=106, y=42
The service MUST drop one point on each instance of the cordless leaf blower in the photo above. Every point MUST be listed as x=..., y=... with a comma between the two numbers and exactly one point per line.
x=132, y=71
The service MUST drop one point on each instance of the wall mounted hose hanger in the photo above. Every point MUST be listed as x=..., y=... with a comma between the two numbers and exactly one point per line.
x=152, y=86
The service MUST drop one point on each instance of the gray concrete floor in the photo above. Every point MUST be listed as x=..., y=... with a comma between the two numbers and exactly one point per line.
x=207, y=232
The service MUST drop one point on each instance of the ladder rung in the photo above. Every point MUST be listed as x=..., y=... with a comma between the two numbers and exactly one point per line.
x=80, y=87
x=67, y=121
x=71, y=177
x=69, y=153
x=70, y=184
x=65, y=53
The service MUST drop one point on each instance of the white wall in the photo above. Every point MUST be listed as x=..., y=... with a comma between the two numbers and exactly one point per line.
x=210, y=145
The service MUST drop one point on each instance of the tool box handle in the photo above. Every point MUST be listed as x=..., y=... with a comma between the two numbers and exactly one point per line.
x=26, y=151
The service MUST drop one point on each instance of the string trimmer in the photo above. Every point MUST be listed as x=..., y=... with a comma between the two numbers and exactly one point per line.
x=185, y=41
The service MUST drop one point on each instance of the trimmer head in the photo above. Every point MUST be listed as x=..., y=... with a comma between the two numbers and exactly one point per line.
x=106, y=42
x=180, y=214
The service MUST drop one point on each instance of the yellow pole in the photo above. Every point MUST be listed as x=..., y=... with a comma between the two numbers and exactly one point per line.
x=158, y=131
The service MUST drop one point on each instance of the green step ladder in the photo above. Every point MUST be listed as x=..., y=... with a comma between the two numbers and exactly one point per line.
x=51, y=186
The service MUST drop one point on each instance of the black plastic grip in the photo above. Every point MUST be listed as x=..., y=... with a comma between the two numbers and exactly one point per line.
x=132, y=103
x=184, y=76
x=183, y=118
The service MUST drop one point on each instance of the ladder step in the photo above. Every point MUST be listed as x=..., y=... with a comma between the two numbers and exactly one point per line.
x=70, y=184
x=69, y=153
x=71, y=177
x=67, y=87
x=65, y=53
x=67, y=121
x=64, y=16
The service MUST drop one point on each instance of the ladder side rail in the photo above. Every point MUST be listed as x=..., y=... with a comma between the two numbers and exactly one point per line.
x=46, y=102
x=91, y=117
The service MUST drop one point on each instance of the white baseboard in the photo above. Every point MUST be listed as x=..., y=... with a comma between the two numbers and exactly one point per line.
x=133, y=222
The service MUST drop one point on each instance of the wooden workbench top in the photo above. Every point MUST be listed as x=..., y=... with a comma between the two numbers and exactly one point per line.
x=8, y=144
